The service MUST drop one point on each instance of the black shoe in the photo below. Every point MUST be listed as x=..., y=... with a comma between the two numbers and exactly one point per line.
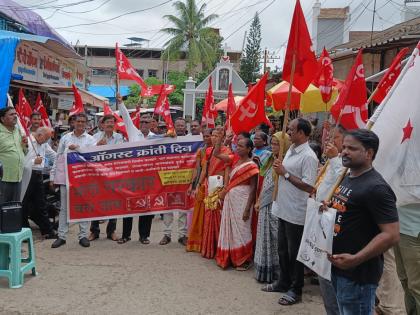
x=84, y=242
x=183, y=240
x=58, y=242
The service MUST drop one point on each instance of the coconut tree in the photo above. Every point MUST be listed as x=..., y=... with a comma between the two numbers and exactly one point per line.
x=191, y=35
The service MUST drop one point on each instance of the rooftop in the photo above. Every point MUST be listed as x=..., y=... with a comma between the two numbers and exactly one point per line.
x=404, y=33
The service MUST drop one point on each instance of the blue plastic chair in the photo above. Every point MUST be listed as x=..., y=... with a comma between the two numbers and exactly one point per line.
x=12, y=264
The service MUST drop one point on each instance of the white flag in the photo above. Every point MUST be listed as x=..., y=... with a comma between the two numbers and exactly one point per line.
x=132, y=132
x=398, y=127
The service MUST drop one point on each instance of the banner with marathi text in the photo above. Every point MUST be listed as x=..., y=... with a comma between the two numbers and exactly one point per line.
x=131, y=179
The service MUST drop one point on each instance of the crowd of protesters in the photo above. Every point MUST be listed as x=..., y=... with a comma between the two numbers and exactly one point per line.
x=251, y=193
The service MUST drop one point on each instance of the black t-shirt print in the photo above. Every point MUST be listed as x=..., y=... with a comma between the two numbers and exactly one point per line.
x=362, y=203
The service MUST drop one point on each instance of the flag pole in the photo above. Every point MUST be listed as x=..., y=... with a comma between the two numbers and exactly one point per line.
x=369, y=126
x=285, y=122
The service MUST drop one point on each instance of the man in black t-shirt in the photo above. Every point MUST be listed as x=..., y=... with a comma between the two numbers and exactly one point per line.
x=366, y=225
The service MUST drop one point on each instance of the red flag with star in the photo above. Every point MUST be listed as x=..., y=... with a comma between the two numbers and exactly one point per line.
x=351, y=101
x=77, y=107
x=40, y=108
x=300, y=46
x=324, y=79
x=397, y=124
x=125, y=70
x=24, y=111
x=251, y=111
x=394, y=70
x=209, y=110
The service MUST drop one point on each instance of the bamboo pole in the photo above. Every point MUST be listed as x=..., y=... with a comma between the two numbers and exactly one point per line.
x=285, y=122
x=369, y=126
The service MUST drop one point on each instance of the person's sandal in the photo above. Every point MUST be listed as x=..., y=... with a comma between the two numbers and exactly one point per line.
x=144, y=241
x=124, y=240
x=165, y=240
x=290, y=298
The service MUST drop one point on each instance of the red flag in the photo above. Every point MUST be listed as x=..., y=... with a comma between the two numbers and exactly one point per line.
x=300, y=45
x=390, y=77
x=78, y=103
x=125, y=70
x=231, y=105
x=162, y=108
x=324, y=79
x=135, y=117
x=156, y=89
x=209, y=111
x=119, y=122
x=40, y=108
x=250, y=112
x=352, y=98
x=24, y=109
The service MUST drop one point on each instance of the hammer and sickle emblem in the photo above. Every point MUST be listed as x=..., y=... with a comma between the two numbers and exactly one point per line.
x=249, y=111
x=159, y=201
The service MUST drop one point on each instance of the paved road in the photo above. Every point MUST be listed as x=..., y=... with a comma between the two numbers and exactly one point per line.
x=108, y=278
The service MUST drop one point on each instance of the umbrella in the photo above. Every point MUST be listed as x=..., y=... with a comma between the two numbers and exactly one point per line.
x=311, y=101
x=222, y=105
x=277, y=96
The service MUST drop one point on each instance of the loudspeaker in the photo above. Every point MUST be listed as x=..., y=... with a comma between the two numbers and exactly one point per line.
x=11, y=217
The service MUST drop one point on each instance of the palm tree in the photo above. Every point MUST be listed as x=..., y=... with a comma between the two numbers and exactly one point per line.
x=192, y=35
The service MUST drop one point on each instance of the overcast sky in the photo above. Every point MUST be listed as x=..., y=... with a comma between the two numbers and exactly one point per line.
x=233, y=14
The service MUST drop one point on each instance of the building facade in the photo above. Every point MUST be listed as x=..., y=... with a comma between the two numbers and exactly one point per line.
x=147, y=62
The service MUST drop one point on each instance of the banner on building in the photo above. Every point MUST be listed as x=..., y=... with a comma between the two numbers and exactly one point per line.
x=131, y=179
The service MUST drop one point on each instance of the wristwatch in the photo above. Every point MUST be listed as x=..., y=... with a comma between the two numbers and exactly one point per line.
x=286, y=176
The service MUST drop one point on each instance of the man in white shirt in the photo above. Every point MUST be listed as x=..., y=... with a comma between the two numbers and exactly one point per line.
x=297, y=175
x=34, y=206
x=106, y=137
x=168, y=218
x=78, y=138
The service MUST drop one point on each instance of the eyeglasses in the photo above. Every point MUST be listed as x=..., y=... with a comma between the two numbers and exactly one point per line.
x=144, y=122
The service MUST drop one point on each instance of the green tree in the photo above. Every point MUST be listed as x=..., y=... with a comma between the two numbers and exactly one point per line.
x=134, y=97
x=250, y=63
x=178, y=79
x=192, y=35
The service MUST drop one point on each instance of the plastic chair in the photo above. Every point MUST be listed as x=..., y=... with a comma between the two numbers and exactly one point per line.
x=12, y=264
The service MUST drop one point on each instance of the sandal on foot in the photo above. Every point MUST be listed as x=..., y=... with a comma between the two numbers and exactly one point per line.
x=145, y=241
x=290, y=298
x=165, y=240
x=123, y=240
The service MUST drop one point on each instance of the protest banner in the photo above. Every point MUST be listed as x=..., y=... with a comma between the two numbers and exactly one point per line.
x=131, y=179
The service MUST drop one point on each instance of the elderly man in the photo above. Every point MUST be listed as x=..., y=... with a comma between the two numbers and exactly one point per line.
x=297, y=175
x=12, y=147
x=168, y=218
x=34, y=206
x=78, y=138
x=106, y=137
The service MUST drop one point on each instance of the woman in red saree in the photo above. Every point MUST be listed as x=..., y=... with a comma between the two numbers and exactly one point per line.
x=215, y=171
x=235, y=246
x=195, y=235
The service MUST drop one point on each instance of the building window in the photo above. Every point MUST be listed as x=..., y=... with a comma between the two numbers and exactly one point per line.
x=152, y=73
x=101, y=72
x=140, y=72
